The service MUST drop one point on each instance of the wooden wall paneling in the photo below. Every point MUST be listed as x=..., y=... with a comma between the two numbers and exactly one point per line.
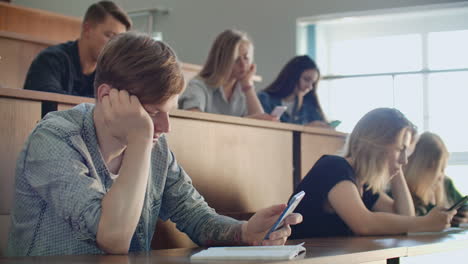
x=62, y=107
x=5, y=223
x=39, y=23
x=18, y=117
x=16, y=57
x=313, y=146
x=237, y=168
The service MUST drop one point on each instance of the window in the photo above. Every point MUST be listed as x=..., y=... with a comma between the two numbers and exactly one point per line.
x=376, y=55
x=416, y=62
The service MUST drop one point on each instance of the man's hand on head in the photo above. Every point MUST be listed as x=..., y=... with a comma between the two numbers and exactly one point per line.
x=126, y=118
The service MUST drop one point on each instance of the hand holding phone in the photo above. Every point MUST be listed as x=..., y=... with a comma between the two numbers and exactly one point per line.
x=459, y=203
x=279, y=110
x=292, y=204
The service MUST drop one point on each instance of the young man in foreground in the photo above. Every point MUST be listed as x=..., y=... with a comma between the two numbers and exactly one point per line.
x=95, y=179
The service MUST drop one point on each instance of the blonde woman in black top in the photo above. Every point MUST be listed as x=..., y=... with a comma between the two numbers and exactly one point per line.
x=344, y=195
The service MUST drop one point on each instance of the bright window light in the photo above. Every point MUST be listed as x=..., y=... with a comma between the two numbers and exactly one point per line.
x=448, y=107
x=459, y=175
x=409, y=98
x=376, y=55
x=448, y=50
x=354, y=97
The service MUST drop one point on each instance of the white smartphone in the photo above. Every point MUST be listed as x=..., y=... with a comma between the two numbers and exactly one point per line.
x=292, y=204
x=279, y=110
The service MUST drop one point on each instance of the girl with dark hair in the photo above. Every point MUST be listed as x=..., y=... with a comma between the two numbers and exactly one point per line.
x=296, y=88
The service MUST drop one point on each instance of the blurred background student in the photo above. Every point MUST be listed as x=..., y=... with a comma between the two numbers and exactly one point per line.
x=345, y=195
x=225, y=83
x=296, y=88
x=425, y=175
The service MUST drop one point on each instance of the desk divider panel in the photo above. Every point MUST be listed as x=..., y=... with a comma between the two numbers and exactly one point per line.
x=16, y=57
x=237, y=168
x=313, y=146
x=18, y=117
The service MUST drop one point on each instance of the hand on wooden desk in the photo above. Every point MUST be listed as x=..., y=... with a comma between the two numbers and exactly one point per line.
x=258, y=225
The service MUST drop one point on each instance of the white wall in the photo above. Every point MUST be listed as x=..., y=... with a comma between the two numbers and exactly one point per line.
x=192, y=25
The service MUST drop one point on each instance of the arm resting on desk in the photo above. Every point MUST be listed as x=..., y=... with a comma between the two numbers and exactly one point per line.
x=346, y=201
x=402, y=202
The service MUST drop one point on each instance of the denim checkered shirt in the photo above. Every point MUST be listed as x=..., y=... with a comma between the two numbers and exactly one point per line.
x=61, y=180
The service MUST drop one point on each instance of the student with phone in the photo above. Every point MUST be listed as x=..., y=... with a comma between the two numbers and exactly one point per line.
x=225, y=83
x=278, y=111
x=296, y=88
x=94, y=179
x=345, y=194
x=428, y=184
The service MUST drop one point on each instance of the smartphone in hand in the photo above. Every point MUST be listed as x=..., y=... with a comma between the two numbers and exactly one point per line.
x=292, y=204
x=278, y=111
x=459, y=203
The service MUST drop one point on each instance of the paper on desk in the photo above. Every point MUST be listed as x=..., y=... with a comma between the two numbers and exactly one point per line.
x=250, y=253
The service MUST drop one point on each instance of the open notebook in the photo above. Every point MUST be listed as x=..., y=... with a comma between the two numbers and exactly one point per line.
x=250, y=253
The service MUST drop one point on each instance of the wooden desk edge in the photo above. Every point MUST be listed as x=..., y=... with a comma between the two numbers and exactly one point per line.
x=74, y=100
x=39, y=11
x=189, y=67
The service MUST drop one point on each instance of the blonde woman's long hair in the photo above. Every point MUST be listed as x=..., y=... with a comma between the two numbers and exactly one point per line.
x=367, y=145
x=426, y=162
x=218, y=66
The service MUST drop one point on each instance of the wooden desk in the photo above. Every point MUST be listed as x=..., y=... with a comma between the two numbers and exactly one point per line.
x=239, y=165
x=38, y=23
x=17, y=51
x=349, y=250
x=24, y=32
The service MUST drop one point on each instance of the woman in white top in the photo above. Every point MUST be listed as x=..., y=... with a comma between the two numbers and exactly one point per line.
x=225, y=84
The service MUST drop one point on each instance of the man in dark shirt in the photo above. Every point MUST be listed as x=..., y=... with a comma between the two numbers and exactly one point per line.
x=68, y=68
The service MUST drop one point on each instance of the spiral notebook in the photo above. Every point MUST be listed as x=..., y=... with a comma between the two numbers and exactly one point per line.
x=250, y=253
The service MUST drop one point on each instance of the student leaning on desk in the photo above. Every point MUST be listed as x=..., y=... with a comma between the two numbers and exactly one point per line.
x=345, y=194
x=225, y=83
x=95, y=179
x=296, y=87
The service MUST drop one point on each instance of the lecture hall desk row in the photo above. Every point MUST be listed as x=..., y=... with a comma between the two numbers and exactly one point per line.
x=448, y=247
x=239, y=165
